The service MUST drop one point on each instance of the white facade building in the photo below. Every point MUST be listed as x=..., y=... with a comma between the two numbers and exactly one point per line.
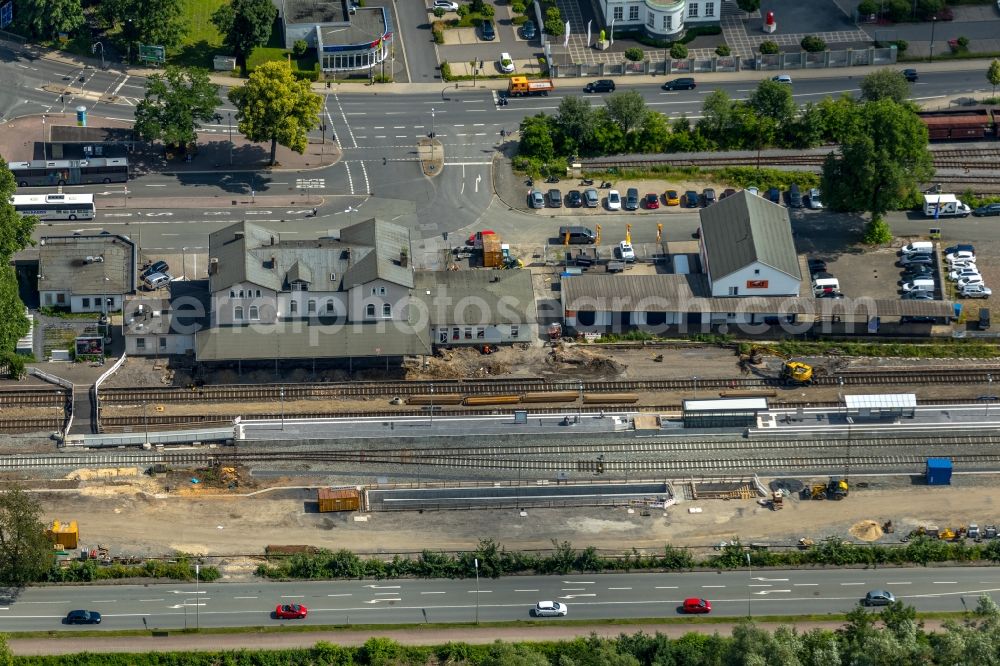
x=660, y=19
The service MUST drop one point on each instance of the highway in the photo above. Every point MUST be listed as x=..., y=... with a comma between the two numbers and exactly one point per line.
x=588, y=596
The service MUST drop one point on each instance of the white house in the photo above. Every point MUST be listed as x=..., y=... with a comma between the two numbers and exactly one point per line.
x=660, y=19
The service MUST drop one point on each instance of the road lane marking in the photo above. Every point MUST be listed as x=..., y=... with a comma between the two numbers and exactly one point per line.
x=292, y=596
x=338, y=595
x=667, y=587
x=480, y=591
x=908, y=583
x=945, y=582
x=244, y=597
x=805, y=584
x=619, y=588
x=103, y=601
x=526, y=590
x=152, y=599
x=433, y=593
x=714, y=586
x=375, y=601
x=383, y=587
x=852, y=583
x=573, y=589
x=760, y=585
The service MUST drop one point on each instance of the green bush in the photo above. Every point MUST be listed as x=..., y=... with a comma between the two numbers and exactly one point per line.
x=437, y=29
x=517, y=7
x=634, y=54
x=963, y=43
x=901, y=46
x=553, y=13
x=867, y=8
x=439, y=12
x=488, y=12
x=768, y=47
x=678, y=51
x=812, y=44
x=723, y=50
x=464, y=11
x=555, y=27
x=877, y=232
x=300, y=47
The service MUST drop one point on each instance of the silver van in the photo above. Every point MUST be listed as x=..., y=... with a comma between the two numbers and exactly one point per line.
x=577, y=235
x=156, y=280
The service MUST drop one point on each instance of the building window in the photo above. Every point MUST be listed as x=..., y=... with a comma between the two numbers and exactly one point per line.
x=709, y=9
x=443, y=336
x=140, y=343
x=311, y=306
x=515, y=331
x=258, y=293
x=163, y=344
x=734, y=291
x=238, y=313
x=387, y=311
x=633, y=13
x=300, y=286
x=333, y=277
x=693, y=10
x=619, y=13
x=480, y=333
x=651, y=20
x=254, y=313
x=455, y=333
x=668, y=22
x=378, y=291
x=329, y=306
x=241, y=293
x=370, y=310
x=86, y=302
x=61, y=299
x=232, y=293
x=756, y=271
x=293, y=307
x=468, y=333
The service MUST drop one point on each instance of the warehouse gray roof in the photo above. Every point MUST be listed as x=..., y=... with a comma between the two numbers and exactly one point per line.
x=686, y=293
x=86, y=265
x=184, y=311
x=476, y=297
x=743, y=229
x=294, y=341
x=366, y=251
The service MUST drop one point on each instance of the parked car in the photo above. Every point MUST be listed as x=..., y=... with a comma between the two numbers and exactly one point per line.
x=536, y=199
x=156, y=280
x=815, y=200
x=975, y=291
x=971, y=279
x=728, y=192
x=878, y=598
x=965, y=271
x=156, y=267
x=951, y=249
x=774, y=195
x=555, y=198
x=626, y=251
x=652, y=201
x=528, y=30
x=672, y=198
x=708, y=196
x=683, y=83
x=917, y=271
x=831, y=294
x=919, y=284
x=446, y=5
x=574, y=199
x=918, y=295
x=506, y=63
x=960, y=255
x=631, y=199
x=690, y=199
x=816, y=265
x=489, y=33
x=614, y=200
x=910, y=75
x=917, y=258
x=472, y=237
x=600, y=86
x=82, y=617
x=988, y=209
x=696, y=606
x=549, y=609
x=754, y=191
x=782, y=78
x=290, y=611
x=794, y=196
x=591, y=198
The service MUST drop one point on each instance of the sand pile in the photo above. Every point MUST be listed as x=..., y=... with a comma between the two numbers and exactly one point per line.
x=866, y=530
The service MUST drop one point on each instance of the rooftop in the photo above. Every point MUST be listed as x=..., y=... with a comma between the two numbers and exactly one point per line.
x=314, y=11
x=184, y=312
x=367, y=25
x=86, y=265
x=476, y=297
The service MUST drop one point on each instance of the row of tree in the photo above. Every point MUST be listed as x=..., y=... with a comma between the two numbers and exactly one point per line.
x=890, y=638
x=243, y=24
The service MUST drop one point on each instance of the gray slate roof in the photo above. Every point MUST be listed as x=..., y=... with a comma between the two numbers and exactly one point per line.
x=476, y=297
x=63, y=264
x=291, y=340
x=745, y=228
x=366, y=251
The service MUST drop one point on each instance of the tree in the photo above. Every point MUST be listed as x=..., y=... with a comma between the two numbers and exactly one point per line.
x=767, y=47
x=575, y=123
x=678, y=51
x=158, y=22
x=885, y=84
x=993, y=75
x=536, y=138
x=25, y=550
x=245, y=24
x=717, y=115
x=6, y=656
x=45, y=19
x=867, y=8
x=634, y=53
x=15, y=235
x=748, y=6
x=654, y=133
x=275, y=106
x=774, y=100
x=175, y=101
x=879, y=166
x=627, y=109
x=813, y=44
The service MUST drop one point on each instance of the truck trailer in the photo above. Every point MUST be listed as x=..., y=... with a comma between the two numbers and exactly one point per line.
x=944, y=205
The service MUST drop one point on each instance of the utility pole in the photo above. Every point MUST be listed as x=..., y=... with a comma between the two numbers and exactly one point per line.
x=282, y=407
x=230, y=114
x=477, y=590
x=750, y=578
x=197, y=602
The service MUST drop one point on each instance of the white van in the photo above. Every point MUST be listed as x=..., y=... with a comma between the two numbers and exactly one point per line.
x=824, y=285
x=682, y=266
x=917, y=247
x=921, y=284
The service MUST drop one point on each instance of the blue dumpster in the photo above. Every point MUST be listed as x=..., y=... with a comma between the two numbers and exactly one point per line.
x=938, y=471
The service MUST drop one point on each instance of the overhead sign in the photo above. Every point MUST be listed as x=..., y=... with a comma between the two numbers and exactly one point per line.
x=6, y=13
x=157, y=54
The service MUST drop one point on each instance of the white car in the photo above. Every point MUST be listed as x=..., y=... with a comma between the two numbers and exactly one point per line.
x=913, y=286
x=815, y=201
x=961, y=255
x=782, y=78
x=506, y=63
x=626, y=251
x=614, y=200
x=972, y=279
x=754, y=191
x=964, y=272
x=975, y=291
x=446, y=5
x=549, y=609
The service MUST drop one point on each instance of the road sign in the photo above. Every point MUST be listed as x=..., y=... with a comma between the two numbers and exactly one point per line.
x=157, y=54
x=6, y=14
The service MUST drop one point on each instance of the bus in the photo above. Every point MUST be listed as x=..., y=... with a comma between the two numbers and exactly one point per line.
x=55, y=206
x=49, y=173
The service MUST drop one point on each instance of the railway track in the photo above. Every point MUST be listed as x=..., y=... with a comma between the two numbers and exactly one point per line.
x=32, y=397
x=38, y=424
x=274, y=393
x=976, y=159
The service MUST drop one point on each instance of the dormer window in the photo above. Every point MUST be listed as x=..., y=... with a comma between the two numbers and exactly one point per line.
x=300, y=286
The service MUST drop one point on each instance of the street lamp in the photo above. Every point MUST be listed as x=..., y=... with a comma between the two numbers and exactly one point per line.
x=432, y=122
x=45, y=153
x=197, y=602
x=695, y=378
x=933, y=25
x=282, y=407
x=477, y=590
x=749, y=592
x=184, y=257
x=230, y=114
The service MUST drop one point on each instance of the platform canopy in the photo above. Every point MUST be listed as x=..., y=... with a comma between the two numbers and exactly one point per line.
x=881, y=401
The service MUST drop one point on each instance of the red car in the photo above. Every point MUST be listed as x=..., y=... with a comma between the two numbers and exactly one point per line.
x=290, y=611
x=478, y=235
x=652, y=201
x=695, y=606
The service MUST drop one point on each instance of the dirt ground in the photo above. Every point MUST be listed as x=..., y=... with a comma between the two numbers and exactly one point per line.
x=129, y=515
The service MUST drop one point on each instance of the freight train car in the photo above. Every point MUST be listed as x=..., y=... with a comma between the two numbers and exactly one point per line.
x=960, y=124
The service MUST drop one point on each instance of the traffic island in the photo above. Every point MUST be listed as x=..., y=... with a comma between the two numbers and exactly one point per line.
x=431, y=152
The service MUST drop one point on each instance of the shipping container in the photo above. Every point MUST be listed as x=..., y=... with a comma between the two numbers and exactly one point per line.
x=492, y=252
x=338, y=499
x=938, y=471
x=66, y=535
x=959, y=124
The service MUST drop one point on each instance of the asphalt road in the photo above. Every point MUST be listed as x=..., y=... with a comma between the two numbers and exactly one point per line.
x=589, y=596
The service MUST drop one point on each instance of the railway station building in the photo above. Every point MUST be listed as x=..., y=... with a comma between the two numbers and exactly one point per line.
x=86, y=273
x=661, y=19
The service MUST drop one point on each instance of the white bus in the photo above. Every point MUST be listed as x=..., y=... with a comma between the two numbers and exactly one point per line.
x=55, y=206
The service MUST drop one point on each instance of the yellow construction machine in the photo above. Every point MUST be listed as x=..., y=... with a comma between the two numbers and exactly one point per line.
x=836, y=489
x=797, y=372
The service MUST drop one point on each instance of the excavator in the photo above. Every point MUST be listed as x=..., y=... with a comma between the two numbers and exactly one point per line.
x=836, y=489
x=797, y=373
